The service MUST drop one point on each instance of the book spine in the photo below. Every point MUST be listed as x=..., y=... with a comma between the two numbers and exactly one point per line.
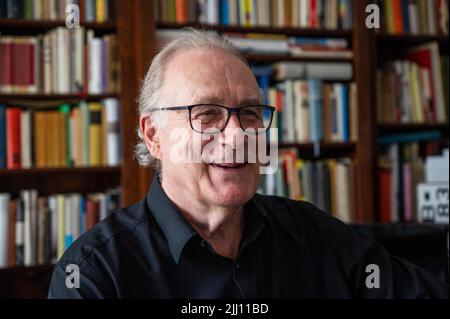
x=4, y=213
x=113, y=132
x=13, y=137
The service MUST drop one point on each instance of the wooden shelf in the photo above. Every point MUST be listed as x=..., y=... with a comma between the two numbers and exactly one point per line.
x=25, y=282
x=269, y=58
x=60, y=180
x=50, y=100
x=326, y=150
x=409, y=127
x=411, y=39
x=40, y=96
x=25, y=269
x=321, y=33
x=33, y=26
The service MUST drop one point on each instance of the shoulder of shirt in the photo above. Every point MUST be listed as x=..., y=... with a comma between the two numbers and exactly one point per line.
x=121, y=223
x=306, y=219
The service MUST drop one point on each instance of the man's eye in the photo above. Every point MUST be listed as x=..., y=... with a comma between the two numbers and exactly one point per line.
x=250, y=113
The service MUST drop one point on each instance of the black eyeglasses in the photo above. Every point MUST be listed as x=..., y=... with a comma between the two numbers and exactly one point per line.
x=213, y=118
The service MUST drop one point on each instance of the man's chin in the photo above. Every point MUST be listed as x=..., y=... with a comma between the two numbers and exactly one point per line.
x=232, y=195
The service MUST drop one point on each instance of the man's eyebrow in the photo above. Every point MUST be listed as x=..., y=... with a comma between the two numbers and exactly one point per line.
x=217, y=100
x=208, y=100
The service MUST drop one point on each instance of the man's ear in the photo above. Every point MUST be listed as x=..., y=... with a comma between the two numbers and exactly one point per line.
x=151, y=137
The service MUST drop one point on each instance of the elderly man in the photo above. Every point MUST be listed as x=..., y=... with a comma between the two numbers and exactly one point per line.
x=202, y=231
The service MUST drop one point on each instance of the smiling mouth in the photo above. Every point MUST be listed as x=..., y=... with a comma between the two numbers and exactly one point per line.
x=229, y=166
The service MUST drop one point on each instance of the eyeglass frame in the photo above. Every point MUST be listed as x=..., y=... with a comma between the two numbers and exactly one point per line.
x=229, y=111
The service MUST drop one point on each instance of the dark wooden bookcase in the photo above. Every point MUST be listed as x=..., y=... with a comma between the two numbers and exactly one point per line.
x=135, y=29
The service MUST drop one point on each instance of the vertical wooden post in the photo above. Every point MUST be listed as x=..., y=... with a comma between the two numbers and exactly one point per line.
x=364, y=47
x=135, y=36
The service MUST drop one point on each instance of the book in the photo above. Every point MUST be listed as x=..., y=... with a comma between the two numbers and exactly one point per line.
x=4, y=214
x=13, y=138
x=3, y=149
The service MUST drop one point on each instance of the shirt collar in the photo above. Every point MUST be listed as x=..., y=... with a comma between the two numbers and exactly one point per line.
x=178, y=231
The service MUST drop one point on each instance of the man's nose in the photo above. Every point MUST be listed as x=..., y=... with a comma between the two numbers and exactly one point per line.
x=233, y=122
x=231, y=133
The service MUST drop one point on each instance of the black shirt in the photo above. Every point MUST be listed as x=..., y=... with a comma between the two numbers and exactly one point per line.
x=289, y=249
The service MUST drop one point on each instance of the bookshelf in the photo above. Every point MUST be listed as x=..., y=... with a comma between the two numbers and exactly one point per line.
x=135, y=28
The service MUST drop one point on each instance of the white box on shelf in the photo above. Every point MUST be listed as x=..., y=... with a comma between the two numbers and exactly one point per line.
x=433, y=202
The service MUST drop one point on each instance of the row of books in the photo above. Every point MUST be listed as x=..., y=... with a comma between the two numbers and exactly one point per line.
x=310, y=108
x=86, y=134
x=313, y=111
x=329, y=184
x=63, y=61
x=55, y=10
x=36, y=230
x=414, y=16
x=401, y=168
x=329, y=14
x=415, y=89
x=277, y=44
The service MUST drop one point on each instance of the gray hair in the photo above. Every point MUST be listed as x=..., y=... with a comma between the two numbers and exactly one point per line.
x=149, y=94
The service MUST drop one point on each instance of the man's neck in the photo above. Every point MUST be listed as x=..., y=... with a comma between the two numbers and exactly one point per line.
x=222, y=227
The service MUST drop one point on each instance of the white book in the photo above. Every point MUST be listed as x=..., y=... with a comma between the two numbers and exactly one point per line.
x=113, y=134
x=25, y=138
x=37, y=10
x=342, y=199
x=212, y=11
x=437, y=169
x=304, y=10
x=103, y=207
x=27, y=246
x=94, y=63
x=233, y=17
x=52, y=204
x=289, y=112
x=4, y=207
x=63, y=61
x=337, y=71
x=75, y=207
x=413, y=18
x=431, y=17
x=47, y=63
x=302, y=130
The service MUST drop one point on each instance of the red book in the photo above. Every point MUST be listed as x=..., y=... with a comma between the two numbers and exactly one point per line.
x=13, y=138
x=397, y=16
x=6, y=80
x=92, y=213
x=427, y=56
x=312, y=14
x=384, y=184
x=181, y=11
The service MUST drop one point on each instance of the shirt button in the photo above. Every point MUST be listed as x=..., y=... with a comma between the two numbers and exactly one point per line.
x=237, y=266
x=203, y=244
